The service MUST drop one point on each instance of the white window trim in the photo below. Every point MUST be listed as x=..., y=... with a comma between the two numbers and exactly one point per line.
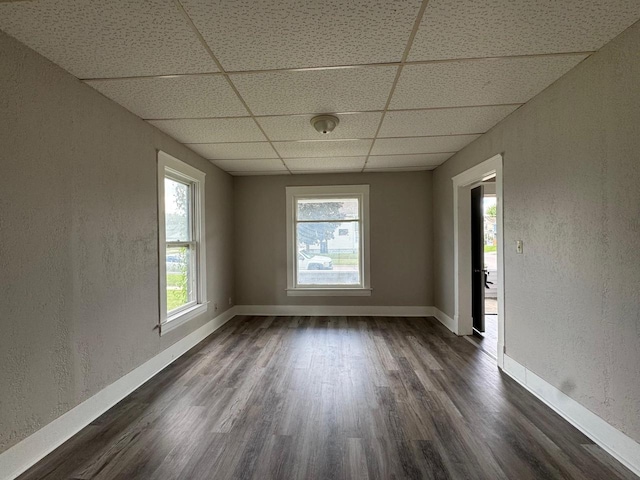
x=294, y=193
x=169, y=164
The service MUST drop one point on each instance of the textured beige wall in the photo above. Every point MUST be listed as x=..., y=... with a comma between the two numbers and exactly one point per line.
x=401, y=238
x=572, y=193
x=79, y=241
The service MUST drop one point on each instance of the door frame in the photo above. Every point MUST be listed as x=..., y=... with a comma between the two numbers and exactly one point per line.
x=462, y=247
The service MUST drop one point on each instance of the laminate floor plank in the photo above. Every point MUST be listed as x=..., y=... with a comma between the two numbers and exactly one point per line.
x=306, y=397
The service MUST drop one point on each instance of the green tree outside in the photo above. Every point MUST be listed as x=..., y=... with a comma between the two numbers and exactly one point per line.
x=318, y=233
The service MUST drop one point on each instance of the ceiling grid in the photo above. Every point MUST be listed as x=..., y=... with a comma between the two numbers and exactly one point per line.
x=405, y=54
x=226, y=76
x=238, y=81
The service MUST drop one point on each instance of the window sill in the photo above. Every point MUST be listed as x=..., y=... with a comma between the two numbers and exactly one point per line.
x=183, y=317
x=329, y=292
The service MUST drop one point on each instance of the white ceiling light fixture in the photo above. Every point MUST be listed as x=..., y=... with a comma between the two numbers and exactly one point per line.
x=325, y=123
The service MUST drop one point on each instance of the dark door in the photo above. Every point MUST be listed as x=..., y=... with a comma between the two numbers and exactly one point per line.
x=477, y=258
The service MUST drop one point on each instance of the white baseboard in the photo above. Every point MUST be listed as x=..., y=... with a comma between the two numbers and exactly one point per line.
x=446, y=320
x=346, y=310
x=29, y=451
x=620, y=446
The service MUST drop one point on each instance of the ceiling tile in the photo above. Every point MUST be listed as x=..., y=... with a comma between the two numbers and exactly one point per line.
x=211, y=130
x=250, y=173
x=260, y=165
x=398, y=169
x=479, y=82
x=490, y=28
x=193, y=96
x=298, y=127
x=404, y=161
x=321, y=164
x=328, y=148
x=316, y=91
x=312, y=172
x=394, y=146
x=116, y=38
x=251, y=35
x=446, y=121
x=232, y=151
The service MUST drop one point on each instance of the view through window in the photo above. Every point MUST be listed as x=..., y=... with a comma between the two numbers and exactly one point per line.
x=180, y=247
x=328, y=239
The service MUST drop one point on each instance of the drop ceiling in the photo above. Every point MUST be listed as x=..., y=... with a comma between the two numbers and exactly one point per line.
x=238, y=81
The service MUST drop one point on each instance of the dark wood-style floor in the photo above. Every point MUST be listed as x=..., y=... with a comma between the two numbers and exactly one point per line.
x=330, y=398
x=488, y=340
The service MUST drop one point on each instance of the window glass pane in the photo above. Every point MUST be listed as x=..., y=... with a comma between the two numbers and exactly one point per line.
x=177, y=208
x=328, y=209
x=328, y=253
x=179, y=278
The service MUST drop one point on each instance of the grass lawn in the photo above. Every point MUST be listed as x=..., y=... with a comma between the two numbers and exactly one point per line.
x=489, y=248
x=343, y=258
x=176, y=290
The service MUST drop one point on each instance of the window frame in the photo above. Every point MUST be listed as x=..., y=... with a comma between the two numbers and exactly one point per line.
x=176, y=170
x=293, y=194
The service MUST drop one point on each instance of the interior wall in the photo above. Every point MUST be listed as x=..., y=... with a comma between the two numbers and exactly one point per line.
x=400, y=228
x=79, y=241
x=571, y=193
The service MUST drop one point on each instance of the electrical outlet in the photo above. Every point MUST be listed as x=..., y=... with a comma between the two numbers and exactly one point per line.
x=215, y=307
x=230, y=301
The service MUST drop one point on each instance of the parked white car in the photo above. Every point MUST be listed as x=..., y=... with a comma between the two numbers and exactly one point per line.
x=307, y=261
x=175, y=264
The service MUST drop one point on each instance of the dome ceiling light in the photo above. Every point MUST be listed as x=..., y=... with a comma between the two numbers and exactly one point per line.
x=325, y=123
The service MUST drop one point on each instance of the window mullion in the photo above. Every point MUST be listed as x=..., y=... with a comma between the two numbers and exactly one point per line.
x=191, y=244
x=337, y=220
x=315, y=272
x=183, y=275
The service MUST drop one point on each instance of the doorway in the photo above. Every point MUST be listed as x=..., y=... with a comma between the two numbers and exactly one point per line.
x=484, y=266
x=478, y=256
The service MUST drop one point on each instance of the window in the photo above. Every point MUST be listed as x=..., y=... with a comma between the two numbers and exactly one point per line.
x=182, y=247
x=327, y=240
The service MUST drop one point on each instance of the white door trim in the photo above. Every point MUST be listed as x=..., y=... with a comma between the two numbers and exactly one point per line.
x=462, y=249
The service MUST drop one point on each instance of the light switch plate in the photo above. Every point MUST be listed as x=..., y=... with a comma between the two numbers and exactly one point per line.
x=519, y=246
